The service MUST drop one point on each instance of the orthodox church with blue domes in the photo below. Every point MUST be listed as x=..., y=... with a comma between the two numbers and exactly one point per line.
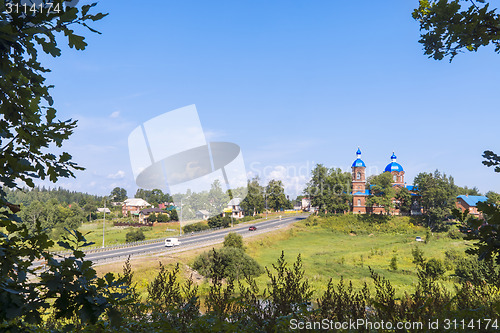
x=359, y=190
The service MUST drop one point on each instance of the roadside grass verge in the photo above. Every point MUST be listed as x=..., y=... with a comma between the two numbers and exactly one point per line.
x=116, y=235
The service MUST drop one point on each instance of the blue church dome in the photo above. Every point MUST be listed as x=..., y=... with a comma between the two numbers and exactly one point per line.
x=393, y=166
x=358, y=162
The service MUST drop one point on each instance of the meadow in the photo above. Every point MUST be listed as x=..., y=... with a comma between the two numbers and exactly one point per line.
x=346, y=247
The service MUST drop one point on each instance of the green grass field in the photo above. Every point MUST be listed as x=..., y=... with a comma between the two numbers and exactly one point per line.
x=328, y=253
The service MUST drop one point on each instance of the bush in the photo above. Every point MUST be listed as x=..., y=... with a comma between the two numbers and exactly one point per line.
x=455, y=234
x=195, y=227
x=434, y=268
x=162, y=217
x=233, y=239
x=235, y=263
x=452, y=257
x=428, y=237
x=134, y=236
x=152, y=217
x=475, y=271
x=394, y=263
x=249, y=218
x=219, y=221
x=173, y=215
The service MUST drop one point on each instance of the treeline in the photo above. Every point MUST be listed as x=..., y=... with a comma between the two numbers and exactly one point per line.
x=26, y=196
x=271, y=196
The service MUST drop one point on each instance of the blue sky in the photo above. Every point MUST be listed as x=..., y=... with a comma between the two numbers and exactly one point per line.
x=294, y=83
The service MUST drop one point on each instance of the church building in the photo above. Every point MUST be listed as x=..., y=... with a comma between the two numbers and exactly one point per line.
x=360, y=192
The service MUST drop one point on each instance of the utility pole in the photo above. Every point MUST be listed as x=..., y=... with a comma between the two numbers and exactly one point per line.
x=265, y=198
x=180, y=221
x=104, y=223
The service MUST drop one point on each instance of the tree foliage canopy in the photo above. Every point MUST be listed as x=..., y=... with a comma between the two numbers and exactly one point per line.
x=451, y=28
x=28, y=128
x=382, y=191
x=486, y=230
x=437, y=196
x=254, y=200
x=28, y=120
x=329, y=189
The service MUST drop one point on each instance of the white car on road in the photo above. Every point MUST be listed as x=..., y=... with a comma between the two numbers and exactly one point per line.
x=169, y=242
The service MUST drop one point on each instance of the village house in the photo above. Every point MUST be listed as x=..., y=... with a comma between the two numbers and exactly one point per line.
x=134, y=206
x=145, y=213
x=233, y=209
x=469, y=203
x=202, y=214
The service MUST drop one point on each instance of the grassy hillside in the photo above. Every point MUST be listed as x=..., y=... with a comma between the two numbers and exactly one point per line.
x=347, y=245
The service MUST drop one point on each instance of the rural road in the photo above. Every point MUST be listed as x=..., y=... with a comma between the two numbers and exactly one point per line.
x=189, y=242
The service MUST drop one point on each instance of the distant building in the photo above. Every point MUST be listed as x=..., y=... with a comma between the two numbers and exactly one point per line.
x=144, y=213
x=103, y=210
x=360, y=192
x=234, y=209
x=469, y=203
x=134, y=206
x=202, y=214
x=166, y=205
x=305, y=204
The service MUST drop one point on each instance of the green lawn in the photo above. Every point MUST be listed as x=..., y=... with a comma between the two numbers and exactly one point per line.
x=328, y=253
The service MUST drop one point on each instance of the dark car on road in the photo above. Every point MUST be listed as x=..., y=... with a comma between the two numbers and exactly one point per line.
x=252, y=228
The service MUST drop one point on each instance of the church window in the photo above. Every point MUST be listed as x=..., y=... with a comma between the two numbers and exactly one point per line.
x=359, y=202
x=395, y=178
x=358, y=175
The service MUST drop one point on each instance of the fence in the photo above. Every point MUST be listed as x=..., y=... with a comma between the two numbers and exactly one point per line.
x=134, y=224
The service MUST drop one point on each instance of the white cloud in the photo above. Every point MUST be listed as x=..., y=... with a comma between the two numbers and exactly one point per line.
x=115, y=114
x=120, y=174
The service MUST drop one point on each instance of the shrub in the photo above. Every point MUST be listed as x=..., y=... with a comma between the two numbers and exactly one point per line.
x=173, y=215
x=235, y=262
x=249, y=218
x=200, y=226
x=470, y=269
x=162, y=217
x=434, y=268
x=455, y=234
x=233, y=239
x=219, y=221
x=394, y=263
x=452, y=257
x=165, y=293
x=134, y=236
x=428, y=237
